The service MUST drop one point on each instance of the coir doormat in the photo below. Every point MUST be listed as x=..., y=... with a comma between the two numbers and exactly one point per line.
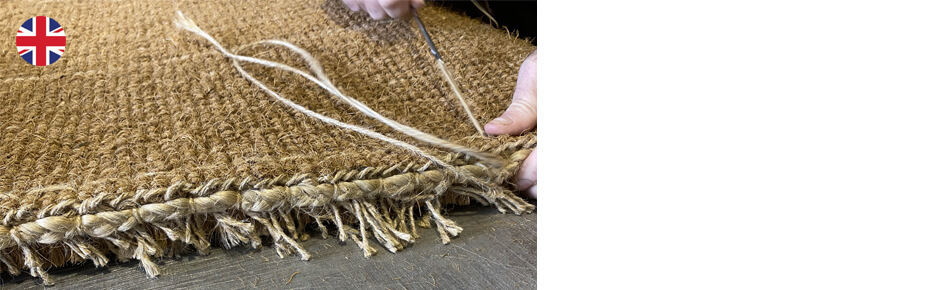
x=144, y=140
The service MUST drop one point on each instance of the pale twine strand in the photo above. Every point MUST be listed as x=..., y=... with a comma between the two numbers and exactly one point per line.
x=475, y=2
x=335, y=122
x=458, y=94
x=325, y=83
x=189, y=25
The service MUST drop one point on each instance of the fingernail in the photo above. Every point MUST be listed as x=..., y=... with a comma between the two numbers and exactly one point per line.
x=524, y=184
x=502, y=121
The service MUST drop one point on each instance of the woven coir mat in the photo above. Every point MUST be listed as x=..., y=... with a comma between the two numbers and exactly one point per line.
x=143, y=140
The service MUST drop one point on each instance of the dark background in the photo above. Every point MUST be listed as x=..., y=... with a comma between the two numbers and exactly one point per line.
x=517, y=16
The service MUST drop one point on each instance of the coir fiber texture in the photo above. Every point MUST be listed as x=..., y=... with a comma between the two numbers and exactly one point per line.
x=143, y=141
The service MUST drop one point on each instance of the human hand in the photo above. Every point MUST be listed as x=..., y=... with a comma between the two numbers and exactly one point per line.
x=519, y=118
x=384, y=9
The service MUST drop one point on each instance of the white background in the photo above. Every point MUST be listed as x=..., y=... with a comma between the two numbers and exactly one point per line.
x=734, y=144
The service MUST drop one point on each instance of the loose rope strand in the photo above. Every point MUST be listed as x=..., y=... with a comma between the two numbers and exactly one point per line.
x=337, y=123
x=458, y=94
x=322, y=81
x=326, y=84
x=189, y=25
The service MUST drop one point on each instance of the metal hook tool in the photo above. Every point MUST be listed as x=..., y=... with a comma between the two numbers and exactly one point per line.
x=445, y=73
x=429, y=41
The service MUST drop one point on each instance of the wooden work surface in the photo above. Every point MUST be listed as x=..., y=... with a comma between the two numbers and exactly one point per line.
x=494, y=251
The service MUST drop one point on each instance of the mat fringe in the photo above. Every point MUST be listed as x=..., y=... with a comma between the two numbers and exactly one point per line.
x=386, y=204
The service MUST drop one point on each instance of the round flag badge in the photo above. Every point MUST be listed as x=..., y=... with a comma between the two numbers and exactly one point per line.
x=40, y=41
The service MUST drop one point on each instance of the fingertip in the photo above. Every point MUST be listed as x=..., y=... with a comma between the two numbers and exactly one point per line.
x=399, y=13
x=531, y=192
x=527, y=178
x=491, y=129
x=377, y=15
x=526, y=175
x=351, y=4
x=417, y=4
x=513, y=122
x=374, y=10
x=495, y=128
x=524, y=184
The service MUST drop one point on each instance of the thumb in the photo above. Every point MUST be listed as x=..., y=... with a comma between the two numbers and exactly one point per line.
x=521, y=115
x=526, y=176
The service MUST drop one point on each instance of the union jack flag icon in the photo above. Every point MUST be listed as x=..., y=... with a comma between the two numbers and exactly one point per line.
x=40, y=41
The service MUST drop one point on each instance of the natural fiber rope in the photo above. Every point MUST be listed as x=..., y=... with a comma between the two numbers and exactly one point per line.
x=187, y=24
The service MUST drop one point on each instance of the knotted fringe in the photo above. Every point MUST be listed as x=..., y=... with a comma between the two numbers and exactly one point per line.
x=384, y=204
